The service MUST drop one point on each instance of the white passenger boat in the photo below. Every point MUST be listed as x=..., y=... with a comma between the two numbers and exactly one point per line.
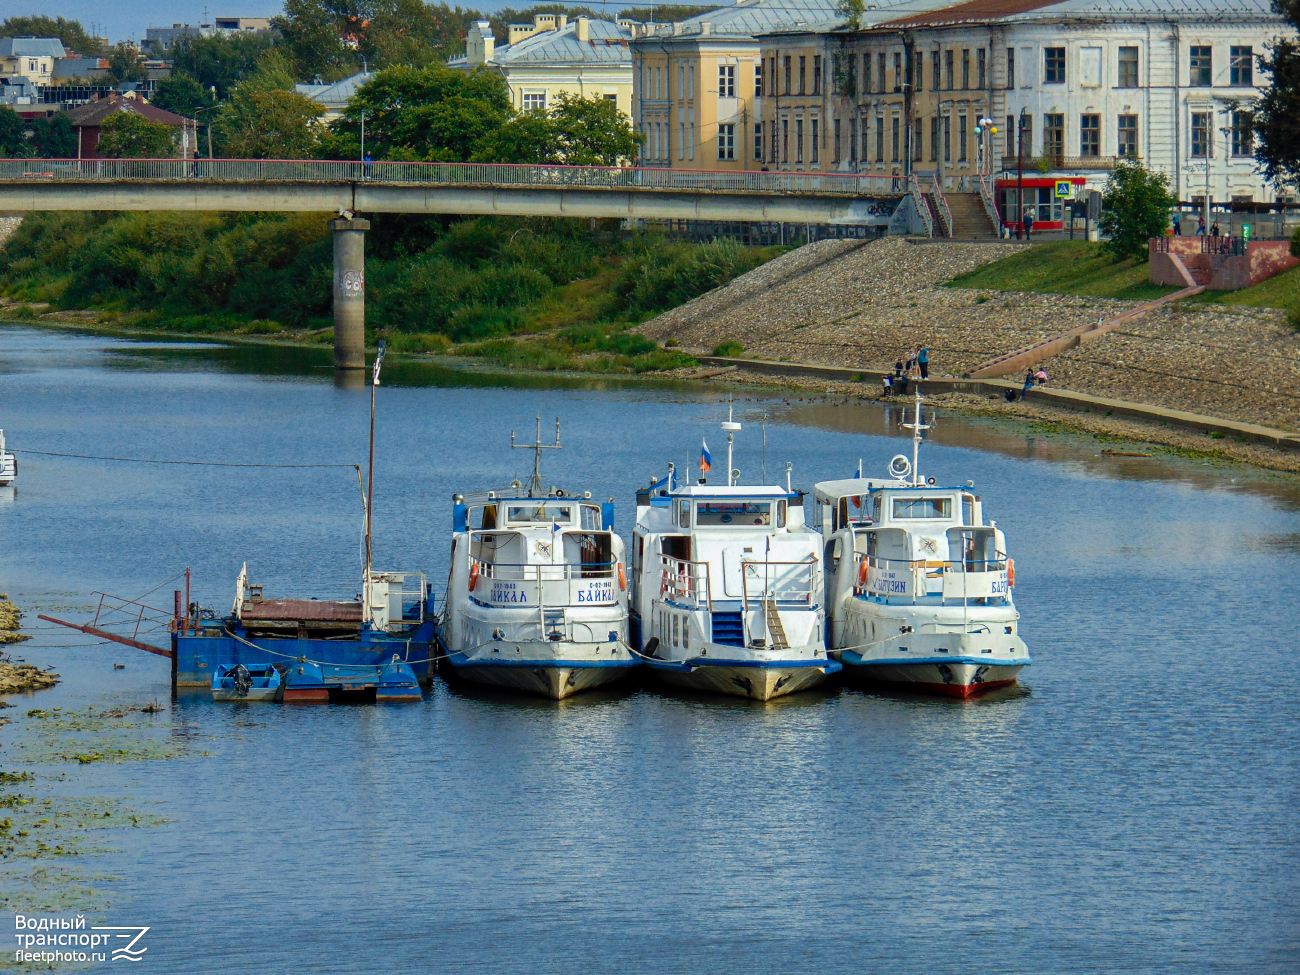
x=537, y=598
x=8, y=464
x=919, y=588
x=727, y=587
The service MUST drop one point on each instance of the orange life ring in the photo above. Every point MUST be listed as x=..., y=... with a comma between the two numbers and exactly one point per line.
x=622, y=577
x=1011, y=573
x=862, y=573
x=473, y=576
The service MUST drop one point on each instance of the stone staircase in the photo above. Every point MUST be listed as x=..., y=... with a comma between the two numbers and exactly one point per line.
x=970, y=221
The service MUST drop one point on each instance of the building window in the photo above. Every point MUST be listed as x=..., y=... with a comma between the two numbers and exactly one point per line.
x=918, y=142
x=962, y=138
x=1200, y=134
x=835, y=140
x=916, y=69
x=853, y=140
x=934, y=139
x=1027, y=135
x=1241, y=66
x=690, y=130
x=817, y=74
x=880, y=140
x=893, y=140
x=726, y=81
x=1090, y=135
x=534, y=101
x=803, y=64
x=798, y=141
x=812, y=134
x=726, y=142
x=1054, y=65
x=947, y=138
x=1202, y=67
x=1243, y=136
x=866, y=72
x=758, y=142
x=981, y=68
x=1011, y=67
x=681, y=140
x=1009, y=135
x=880, y=71
x=947, y=70
x=758, y=78
x=786, y=64
x=965, y=69
x=690, y=81
x=1054, y=136
x=1127, y=127
x=1128, y=67
x=934, y=70
x=785, y=140
x=898, y=71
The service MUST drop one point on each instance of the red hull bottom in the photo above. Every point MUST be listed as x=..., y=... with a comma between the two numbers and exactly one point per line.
x=306, y=695
x=962, y=691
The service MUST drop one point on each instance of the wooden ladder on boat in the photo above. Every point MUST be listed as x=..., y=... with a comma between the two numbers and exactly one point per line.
x=774, y=626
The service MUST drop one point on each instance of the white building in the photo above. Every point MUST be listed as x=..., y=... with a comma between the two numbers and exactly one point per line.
x=29, y=59
x=1087, y=82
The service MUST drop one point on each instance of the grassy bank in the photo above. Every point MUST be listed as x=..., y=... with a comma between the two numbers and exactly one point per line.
x=546, y=294
x=1066, y=267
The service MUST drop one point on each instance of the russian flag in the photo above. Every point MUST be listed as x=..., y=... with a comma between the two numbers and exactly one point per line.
x=706, y=461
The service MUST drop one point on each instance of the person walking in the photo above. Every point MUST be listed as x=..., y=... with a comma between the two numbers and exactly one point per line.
x=1178, y=224
x=923, y=362
x=1200, y=226
x=1029, y=224
x=1029, y=382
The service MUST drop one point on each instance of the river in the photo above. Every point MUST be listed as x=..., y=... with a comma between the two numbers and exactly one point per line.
x=1130, y=807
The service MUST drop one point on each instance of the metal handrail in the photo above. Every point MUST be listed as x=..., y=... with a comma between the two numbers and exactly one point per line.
x=944, y=212
x=424, y=173
x=672, y=574
x=943, y=565
x=806, y=594
x=587, y=570
x=990, y=204
x=922, y=205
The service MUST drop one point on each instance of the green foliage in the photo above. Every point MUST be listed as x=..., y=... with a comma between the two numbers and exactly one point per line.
x=53, y=138
x=574, y=131
x=181, y=94
x=124, y=64
x=660, y=275
x=269, y=124
x=13, y=138
x=434, y=114
x=729, y=349
x=1276, y=115
x=70, y=32
x=1136, y=205
x=1066, y=267
x=125, y=135
x=221, y=61
x=851, y=11
x=664, y=13
x=1294, y=248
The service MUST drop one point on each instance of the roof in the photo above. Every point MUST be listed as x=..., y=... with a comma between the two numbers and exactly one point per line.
x=31, y=47
x=751, y=17
x=849, y=487
x=607, y=43
x=336, y=95
x=1021, y=11
x=94, y=113
x=304, y=610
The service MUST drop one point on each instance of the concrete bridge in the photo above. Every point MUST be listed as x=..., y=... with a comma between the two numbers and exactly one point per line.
x=350, y=188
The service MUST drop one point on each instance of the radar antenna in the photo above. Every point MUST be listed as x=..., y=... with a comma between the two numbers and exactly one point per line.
x=917, y=427
x=535, y=484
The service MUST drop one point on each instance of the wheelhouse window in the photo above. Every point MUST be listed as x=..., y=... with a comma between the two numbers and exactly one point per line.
x=590, y=518
x=922, y=508
x=540, y=514
x=732, y=514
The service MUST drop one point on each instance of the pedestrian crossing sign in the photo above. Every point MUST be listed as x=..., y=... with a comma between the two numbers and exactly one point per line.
x=1064, y=188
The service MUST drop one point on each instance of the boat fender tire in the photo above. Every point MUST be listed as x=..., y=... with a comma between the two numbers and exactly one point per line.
x=473, y=576
x=652, y=646
x=862, y=573
x=1011, y=573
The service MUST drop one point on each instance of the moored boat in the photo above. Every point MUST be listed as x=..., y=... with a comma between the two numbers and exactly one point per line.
x=919, y=588
x=537, y=594
x=235, y=682
x=8, y=463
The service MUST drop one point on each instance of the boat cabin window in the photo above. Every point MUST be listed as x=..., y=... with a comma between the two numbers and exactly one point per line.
x=780, y=514
x=540, y=514
x=483, y=518
x=875, y=509
x=682, y=514
x=922, y=508
x=591, y=518
x=967, y=509
x=713, y=514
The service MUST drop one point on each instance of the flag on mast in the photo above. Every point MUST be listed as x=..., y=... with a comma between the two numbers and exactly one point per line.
x=706, y=461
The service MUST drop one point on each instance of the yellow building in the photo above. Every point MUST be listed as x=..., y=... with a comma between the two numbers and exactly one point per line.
x=552, y=56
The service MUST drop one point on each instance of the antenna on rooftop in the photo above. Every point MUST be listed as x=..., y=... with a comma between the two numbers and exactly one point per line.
x=731, y=428
x=535, y=485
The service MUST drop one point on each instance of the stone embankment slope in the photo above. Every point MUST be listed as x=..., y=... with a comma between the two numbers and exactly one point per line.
x=870, y=304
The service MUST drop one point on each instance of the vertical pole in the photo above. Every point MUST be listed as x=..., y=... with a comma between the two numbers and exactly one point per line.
x=1020, y=169
x=187, y=598
x=349, y=292
x=370, y=496
x=176, y=627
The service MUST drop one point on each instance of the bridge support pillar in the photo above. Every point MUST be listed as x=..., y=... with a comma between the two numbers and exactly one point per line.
x=349, y=292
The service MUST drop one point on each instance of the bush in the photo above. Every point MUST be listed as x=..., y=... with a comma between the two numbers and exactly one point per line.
x=1137, y=203
x=729, y=349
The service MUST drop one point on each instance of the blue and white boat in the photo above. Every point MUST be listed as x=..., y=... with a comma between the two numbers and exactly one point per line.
x=307, y=681
x=8, y=463
x=537, y=595
x=235, y=682
x=727, y=587
x=919, y=588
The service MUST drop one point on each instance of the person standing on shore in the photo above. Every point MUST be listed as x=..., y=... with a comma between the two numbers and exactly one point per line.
x=1029, y=225
x=1029, y=382
x=1214, y=230
x=923, y=362
x=1200, y=226
x=1178, y=224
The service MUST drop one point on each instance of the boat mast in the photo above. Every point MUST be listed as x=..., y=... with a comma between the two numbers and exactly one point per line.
x=732, y=428
x=916, y=426
x=370, y=475
x=535, y=485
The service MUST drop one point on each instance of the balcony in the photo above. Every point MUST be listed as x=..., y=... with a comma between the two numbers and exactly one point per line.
x=1052, y=163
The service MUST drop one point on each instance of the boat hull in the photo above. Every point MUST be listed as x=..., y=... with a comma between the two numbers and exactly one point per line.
x=758, y=683
x=554, y=669
x=254, y=694
x=961, y=678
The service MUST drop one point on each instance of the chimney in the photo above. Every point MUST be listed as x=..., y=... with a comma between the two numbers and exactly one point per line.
x=580, y=28
x=563, y=21
x=479, y=43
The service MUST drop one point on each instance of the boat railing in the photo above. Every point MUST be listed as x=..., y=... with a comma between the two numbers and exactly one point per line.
x=911, y=578
x=531, y=584
x=685, y=581
x=784, y=582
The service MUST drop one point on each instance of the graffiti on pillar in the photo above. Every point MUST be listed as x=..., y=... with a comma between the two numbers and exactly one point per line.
x=351, y=284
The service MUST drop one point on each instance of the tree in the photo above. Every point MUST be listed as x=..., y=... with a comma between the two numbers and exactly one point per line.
x=269, y=125
x=220, y=61
x=311, y=32
x=851, y=11
x=125, y=135
x=53, y=138
x=1136, y=205
x=575, y=132
x=70, y=32
x=422, y=113
x=181, y=94
x=13, y=135
x=663, y=13
x=124, y=64
x=1276, y=116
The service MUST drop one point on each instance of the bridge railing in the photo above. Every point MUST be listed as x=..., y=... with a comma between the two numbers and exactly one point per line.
x=469, y=174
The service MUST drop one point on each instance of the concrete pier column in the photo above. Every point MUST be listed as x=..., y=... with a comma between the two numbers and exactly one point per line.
x=349, y=292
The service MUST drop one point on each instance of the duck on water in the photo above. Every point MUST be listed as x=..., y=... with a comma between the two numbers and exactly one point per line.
x=727, y=586
x=537, y=596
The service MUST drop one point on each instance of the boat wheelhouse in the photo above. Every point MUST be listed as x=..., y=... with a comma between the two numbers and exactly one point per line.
x=727, y=589
x=919, y=588
x=537, y=596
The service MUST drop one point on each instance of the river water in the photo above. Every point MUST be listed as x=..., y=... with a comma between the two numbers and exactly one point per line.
x=1131, y=807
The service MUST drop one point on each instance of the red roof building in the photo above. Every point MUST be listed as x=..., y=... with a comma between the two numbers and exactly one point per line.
x=87, y=120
